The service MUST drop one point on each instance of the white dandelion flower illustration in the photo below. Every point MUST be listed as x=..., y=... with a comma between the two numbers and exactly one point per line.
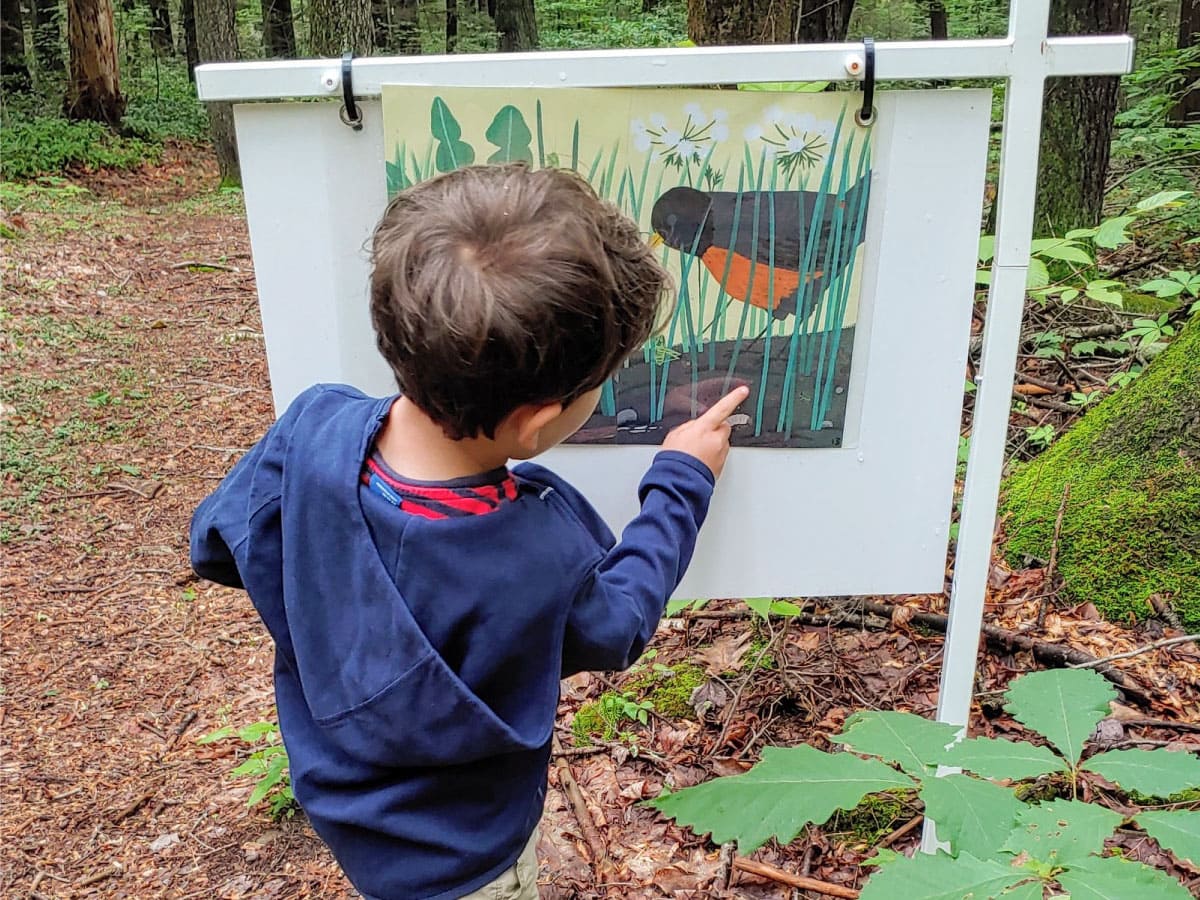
x=720, y=132
x=754, y=133
x=658, y=120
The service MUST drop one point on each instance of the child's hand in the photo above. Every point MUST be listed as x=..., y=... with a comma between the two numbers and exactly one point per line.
x=707, y=436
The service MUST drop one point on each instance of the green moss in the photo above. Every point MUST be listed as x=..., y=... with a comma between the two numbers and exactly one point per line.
x=872, y=820
x=589, y=723
x=1148, y=304
x=1132, y=523
x=670, y=690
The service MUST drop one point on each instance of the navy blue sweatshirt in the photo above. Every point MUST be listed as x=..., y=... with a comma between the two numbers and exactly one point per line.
x=418, y=659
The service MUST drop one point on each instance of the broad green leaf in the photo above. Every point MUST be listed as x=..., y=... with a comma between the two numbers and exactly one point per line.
x=1037, y=276
x=1155, y=773
x=1000, y=760
x=1163, y=287
x=1061, y=831
x=983, y=276
x=1112, y=878
x=1177, y=830
x=511, y=135
x=987, y=247
x=452, y=151
x=1076, y=234
x=759, y=605
x=974, y=815
x=802, y=87
x=1160, y=199
x=1068, y=295
x=941, y=877
x=1111, y=233
x=675, y=607
x=1062, y=705
x=219, y=735
x=882, y=857
x=1030, y=890
x=788, y=789
x=256, y=731
x=1060, y=248
x=786, y=608
x=915, y=743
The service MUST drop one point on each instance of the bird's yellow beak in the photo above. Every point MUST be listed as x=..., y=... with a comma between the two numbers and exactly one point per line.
x=656, y=240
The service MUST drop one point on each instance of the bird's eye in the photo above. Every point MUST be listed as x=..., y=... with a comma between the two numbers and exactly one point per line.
x=672, y=219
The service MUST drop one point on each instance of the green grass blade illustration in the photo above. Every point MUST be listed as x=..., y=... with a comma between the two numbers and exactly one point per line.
x=541, y=143
x=766, y=363
x=575, y=147
x=741, y=333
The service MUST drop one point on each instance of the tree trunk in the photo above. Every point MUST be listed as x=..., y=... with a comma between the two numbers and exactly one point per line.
x=648, y=5
x=216, y=30
x=451, y=25
x=94, y=91
x=336, y=26
x=13, y=64
x=1078, y=122
x=1187, y=110
x=939, y=26
x=47, y=35
x=191, y=51
x=279, y=34
x=381, y=30
x=516, y=26
x=160, y=28
x=1131, y=525
x=406, y=28
x=823, y=21
x=740, y=21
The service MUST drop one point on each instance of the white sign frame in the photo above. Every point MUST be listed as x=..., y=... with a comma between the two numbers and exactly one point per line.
x=1024, y=59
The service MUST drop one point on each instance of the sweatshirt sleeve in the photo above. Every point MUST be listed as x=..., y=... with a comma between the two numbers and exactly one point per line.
x=620, y=604
x=221, y=524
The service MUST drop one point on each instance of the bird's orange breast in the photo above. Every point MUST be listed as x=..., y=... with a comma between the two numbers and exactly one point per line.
x=749, y=281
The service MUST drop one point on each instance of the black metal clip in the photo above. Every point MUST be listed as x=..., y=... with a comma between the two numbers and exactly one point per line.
x=866, y=115
x=350, y=113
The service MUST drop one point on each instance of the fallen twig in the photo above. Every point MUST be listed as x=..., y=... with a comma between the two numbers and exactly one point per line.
x=107, y=872
x=587, y=826
x=901, y=831
x=765, y=870
x=1053, y=563
x=1165, y=642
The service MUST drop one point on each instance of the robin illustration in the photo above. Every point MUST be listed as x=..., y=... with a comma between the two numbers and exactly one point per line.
x=702, y=224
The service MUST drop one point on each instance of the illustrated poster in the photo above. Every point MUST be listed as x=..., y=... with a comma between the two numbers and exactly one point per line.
x=758, y=203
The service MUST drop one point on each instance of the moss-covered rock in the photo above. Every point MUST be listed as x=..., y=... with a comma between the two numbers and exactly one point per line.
x=1132, y=524
x=670, y=689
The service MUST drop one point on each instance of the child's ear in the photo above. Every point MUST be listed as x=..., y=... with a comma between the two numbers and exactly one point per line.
x=526, y=423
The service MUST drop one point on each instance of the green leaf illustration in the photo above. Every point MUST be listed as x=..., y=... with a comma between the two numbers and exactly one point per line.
x=1177, y=830
x=509, y=132
x=1112, y=878
x=999, y=760
x=452, y=151
x=1155, y=773
x=1061, y=831
x=915, y=743
x=943, y=877
x=1062, y=705
x=788, y=789
x=974, y=816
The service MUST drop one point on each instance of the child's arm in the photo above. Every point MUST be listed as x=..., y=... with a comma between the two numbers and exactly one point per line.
x=619, y=607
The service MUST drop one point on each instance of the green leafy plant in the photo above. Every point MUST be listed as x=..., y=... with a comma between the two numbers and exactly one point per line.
x=999, y=845
x=1149, y=331
x=452, y=151
x=511, y=136
x=1040, y=436
x=267, y=763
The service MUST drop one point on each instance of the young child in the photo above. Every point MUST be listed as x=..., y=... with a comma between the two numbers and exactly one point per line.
x=424, y=599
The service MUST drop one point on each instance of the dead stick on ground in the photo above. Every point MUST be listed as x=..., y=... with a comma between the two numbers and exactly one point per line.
x=901, y=831
x=591, y=835
x=1165, y=642
x=108, y=872
x=1050, y=566
x=763, y=870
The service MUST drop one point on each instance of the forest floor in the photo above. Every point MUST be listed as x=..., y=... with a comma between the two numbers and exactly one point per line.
x=133, y=375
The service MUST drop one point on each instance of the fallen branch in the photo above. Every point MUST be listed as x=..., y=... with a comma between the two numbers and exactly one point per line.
x=1050, y=566
x=765, y=870
x=107, y=872
x=901, y=831
x=1165, y=642
x=587, y=825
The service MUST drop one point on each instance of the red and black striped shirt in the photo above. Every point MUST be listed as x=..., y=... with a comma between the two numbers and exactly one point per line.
x=474, y=495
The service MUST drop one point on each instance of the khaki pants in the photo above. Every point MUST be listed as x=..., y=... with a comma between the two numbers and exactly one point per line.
x=516, y=883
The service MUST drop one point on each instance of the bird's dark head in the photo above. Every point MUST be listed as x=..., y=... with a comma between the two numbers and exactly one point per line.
x=681, y=218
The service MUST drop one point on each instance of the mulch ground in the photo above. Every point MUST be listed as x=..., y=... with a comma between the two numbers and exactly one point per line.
x=133, y=376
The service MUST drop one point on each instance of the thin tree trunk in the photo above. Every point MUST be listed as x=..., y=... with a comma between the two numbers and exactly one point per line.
x=1077, y=127
x=648, y=5
x=160, y=27
x=47, y=35
x=13, y=64
x=94, y=91
x=823, y=21
x=516, y=26
x=216, y=30
x=939, y=26
x=336, y=26
x=1187, y=110
x=191, y=51
x=279, y=34
x=451, y=25
x=381, y=31
x=406, y=27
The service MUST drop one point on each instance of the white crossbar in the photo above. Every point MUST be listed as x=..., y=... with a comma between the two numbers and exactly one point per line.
x=941, y=60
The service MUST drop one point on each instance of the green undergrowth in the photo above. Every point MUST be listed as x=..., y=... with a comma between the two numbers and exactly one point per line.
x=872, y=820
x=665, y=690
x=1131, y=527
